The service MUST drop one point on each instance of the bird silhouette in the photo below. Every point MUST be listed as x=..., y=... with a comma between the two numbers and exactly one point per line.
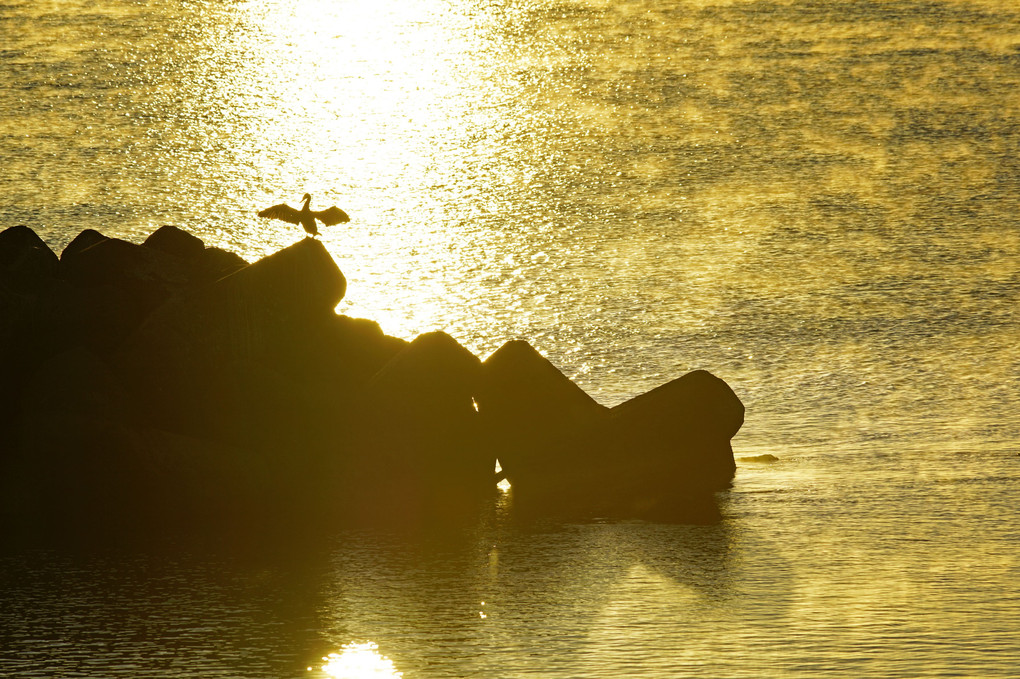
x=306, y=216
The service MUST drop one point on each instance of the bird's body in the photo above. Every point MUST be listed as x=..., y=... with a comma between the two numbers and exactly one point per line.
x=306, y=216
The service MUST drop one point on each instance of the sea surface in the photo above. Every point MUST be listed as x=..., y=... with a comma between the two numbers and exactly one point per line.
x=818, y=202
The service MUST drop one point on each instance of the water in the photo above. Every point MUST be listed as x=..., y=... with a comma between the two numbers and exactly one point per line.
x=817, y=202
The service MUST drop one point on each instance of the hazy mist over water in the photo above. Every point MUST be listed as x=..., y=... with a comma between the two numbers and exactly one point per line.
x=816, y=201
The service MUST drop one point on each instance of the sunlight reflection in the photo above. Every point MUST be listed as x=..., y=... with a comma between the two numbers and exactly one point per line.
x=364, y=105
x=503, y=485
x=359, y=661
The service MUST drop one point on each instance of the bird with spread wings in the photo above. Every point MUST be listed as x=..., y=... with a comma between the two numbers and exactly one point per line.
x=306, y=216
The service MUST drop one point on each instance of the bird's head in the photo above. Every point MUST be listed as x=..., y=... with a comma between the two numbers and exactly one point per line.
x=306, y=198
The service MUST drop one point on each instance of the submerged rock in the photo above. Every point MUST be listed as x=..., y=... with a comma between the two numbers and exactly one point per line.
x=766, y=458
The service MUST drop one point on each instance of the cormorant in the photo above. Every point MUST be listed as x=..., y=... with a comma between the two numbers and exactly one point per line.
x=306, y=216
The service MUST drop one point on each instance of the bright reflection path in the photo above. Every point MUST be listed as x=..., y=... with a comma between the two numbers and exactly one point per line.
x=390, y=110
x=360, y=661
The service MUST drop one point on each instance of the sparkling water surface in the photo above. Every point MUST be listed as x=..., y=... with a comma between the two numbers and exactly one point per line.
x=816, y=201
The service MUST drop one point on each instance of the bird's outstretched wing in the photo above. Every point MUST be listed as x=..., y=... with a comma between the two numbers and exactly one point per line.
x=330, y=216
x=282, y=212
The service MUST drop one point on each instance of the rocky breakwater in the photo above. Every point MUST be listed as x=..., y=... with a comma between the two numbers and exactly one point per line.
x=662, y=454
x=172, y=385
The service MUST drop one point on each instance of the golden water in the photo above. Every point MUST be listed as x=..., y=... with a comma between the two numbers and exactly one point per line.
x=816, y=201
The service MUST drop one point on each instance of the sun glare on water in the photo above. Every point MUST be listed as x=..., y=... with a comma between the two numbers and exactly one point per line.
x=360, y=661
x=383, y=109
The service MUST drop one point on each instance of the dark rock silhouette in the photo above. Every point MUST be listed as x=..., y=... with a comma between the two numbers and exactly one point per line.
x=27, y=264
x=215, y=363
x=28, y=271
x=532, y=411
x=169, y=385
x=417, y=415
x=150, y=275
x=693, y=418
x=175, y=241
x=353, y=350
x=659, y=455
x=682, y=430
x=85, y=239
x=433, y=378
x=207, y=263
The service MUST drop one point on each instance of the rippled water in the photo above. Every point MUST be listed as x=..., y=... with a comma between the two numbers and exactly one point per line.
x=816, y=201
x=877, y=566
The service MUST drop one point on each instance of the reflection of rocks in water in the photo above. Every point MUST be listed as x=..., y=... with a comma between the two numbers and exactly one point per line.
x=695, y=556
x=170, y=385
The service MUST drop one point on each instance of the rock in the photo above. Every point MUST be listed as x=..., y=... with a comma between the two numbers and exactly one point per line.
x=119, y=482
x=96, y=318
x=87, y=462
x=109, y=287
x=96, y=480
x=206, y=264
x=301, y=279
x=424, y=394
x=76, y=382
x=660, y=456
x=355, y=349
x=171, y=384
x=16, y=358
x=230, y=361
x=177, y=242
x=215, y=263
x=418, y=428
x=432, y=377
x=17, y=240
x=67, y=401
x=149, y=275
x=35, y=330
x=529, y=409
x=765, y=458
x=15, y=311
x=685, y=426
x=27, y=265
x=84, y=240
